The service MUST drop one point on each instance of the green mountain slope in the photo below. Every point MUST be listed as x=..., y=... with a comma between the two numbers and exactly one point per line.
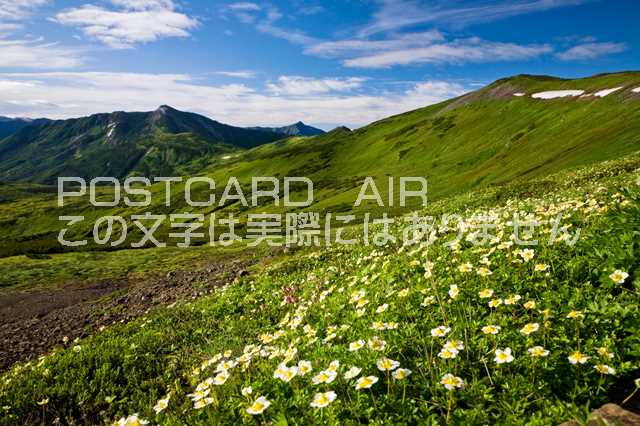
x=352, y=306
x=150, y=143
x=487, y=138
x=9, y=126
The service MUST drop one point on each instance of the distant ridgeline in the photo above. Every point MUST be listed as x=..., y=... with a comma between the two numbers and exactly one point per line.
x=158, y=143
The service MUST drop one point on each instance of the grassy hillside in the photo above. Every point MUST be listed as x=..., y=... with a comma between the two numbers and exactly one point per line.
x=196, y=360
x=487, y=138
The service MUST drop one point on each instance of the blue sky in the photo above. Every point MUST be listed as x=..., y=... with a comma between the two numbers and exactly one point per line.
x=327, y=63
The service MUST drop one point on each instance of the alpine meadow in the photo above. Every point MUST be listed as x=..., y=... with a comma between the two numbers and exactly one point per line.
x=446, y=235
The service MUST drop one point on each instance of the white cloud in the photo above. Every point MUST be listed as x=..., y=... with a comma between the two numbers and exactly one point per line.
x=309, y=10
x=396, y=48
x=265, y=20
x=15, y=10
x=591, y=51
x=246, y=6
x=8, y=28
x=37, y=54
x=136, y=21
x=303, y=86
x=72, y=94
x=237, y=74
x=457, y=51
x=351, y=46
x=396, y=14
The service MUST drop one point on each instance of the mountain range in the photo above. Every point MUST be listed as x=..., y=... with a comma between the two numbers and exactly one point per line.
x=297, y=129
x=516, y=127
x=503, y=135
x=9, y=126
x=160, y=142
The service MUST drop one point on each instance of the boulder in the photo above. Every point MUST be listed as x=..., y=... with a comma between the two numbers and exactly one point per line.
x=609, y=415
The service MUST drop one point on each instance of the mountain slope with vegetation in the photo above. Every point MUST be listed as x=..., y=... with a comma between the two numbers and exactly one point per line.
x=161, y=142
x=9, y=126
x=426, y=333
x=488, y=138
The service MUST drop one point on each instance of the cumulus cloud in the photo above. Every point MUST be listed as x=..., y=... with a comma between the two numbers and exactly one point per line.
x=133, y=22
x=591, y=51
x=72, y=94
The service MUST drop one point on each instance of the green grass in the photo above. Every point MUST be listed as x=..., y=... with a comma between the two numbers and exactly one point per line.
x=36, y=271
x=126, y=368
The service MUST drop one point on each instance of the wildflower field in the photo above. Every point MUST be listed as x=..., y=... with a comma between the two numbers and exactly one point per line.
x=435, y=332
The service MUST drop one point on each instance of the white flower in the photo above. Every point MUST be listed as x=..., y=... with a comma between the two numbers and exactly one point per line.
x=304, y=367
x=491, y=329
x=366, y=382
x=377, y=344
x=527, y=254
x=440, y=331
x=284, y=373
x=465, y=267
x=619, y=276
x=221, y=378
x=203, y=402
x=448, y=353
x=538, y=352
x=357, y=345
x=541, y=267
x=352, y=372
x=452, y=382
x=386, y=364
x=429, y=300
x=322, y=399
x=258, y=406
x=486, y=293
x=161, y=404
x=512, y=300
x=325, y=376
x=457, y=345
x=401, y=373
x=247, y=391
x=578, y=358
x=503, y=356
x=604, y=369
x=454, y=291
x=530, y=328
x=334, y=365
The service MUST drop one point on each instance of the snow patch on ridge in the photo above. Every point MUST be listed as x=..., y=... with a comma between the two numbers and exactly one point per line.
x=636, y=90
x=606, y=92
x=518, y=94
x=553, y=94
x=110, y=129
